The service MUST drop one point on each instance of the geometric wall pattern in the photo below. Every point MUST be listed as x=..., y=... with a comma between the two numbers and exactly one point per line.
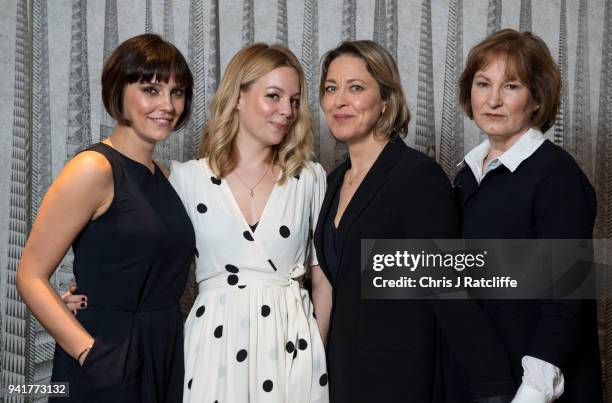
x=53, y=54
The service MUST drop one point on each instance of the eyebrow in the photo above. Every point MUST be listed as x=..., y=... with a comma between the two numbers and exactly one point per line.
x=480, y=75
x=274, y=87
x=350, y=80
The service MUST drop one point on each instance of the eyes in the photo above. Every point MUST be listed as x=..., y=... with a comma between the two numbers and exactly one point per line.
x=153, y=90
x=512, y=86
x=295, y=102
x=330, y=89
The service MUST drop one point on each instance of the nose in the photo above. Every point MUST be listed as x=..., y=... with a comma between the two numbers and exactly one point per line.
x=167, y=103
x=285, y=108
x=494, y=98
x=340, y=98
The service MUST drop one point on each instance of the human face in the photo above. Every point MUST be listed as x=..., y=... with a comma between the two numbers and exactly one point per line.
x=153, y=108
x=502, y=108
x=269, y=107
x=351, y=102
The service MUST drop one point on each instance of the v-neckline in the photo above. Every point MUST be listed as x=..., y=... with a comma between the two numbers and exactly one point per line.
x=228, y=190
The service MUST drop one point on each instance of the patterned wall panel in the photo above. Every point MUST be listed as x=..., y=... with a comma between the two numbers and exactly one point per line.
x=451, y=140
x=562, y=135
x=14, y=364
x=111, y=40
x=581, y=141
x=209, y=32
x=425, y=140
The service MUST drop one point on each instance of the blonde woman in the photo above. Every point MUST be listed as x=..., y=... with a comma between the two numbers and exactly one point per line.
x=253, y=198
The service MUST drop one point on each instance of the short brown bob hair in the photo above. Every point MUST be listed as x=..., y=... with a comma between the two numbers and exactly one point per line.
x=381, y=65
x=528, y=60
x=144, y=58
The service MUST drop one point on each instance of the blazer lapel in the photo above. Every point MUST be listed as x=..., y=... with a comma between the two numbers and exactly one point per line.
x=370, y=186
x=333, y=186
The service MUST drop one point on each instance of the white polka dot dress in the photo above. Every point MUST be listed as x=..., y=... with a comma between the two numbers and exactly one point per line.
x=251, y=335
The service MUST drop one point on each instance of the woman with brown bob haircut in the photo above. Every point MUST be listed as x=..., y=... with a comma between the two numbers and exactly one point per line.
x=132, y=240
x=516, y=184
x=383, y=350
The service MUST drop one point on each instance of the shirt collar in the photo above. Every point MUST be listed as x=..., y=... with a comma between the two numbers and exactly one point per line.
x=511, y=159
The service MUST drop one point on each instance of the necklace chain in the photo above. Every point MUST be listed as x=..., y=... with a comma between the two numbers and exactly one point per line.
x=252, y=189
x=352, y=178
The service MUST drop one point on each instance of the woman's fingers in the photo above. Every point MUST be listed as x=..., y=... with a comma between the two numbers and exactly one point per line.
x=74, y=302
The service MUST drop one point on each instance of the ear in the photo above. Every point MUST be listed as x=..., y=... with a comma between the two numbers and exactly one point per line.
x=239, y=102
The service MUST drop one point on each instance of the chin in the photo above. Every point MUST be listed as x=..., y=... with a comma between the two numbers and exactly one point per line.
x=274, y=139
x=342, y=134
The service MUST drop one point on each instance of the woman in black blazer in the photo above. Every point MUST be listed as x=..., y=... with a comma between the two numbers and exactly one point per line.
x=389, y=350
x=518, y=185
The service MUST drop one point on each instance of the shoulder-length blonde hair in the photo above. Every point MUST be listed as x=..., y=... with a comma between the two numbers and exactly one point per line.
x=219, y=133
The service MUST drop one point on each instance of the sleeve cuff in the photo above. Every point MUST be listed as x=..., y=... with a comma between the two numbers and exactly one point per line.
x=527, y=394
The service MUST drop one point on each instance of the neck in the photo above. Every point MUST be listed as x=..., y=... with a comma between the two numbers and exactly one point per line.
x=124, y=140
x=251, y=153
x=500, y=145
x=363, y=153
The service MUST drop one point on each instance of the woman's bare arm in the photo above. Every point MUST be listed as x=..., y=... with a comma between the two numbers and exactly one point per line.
x=322, y=300
x=82, y=191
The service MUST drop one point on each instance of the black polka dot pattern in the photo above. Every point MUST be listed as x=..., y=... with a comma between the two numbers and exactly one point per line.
x=232, y=279
x=247, y=235
x=231, y=268
x=302, y=344
x=219, y=331
x=323, y=380
x=268, y=385
x=200, y=311
x=290, y=347
x=189, y=383
x=215, y=181
x=241, y=286
x=202, y=208
x=265, y=311
x=272, y=264
x=241, y=356
x=297, y=177
x=284, y=231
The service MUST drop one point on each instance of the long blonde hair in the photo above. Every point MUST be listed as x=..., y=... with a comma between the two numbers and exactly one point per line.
x=219, y=133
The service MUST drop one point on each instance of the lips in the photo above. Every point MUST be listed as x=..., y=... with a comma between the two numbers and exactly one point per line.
x=280, y=126
x=161, y=121
x=342, y=117
x=493, y=116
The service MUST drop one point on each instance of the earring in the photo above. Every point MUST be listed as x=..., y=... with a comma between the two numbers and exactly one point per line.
x=537, y=108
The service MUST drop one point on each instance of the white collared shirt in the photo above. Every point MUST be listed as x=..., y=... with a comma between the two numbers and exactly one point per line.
x=542, y=381
x=526, y=145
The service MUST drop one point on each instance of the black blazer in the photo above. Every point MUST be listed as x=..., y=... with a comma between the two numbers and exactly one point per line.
x=547, y=196
x=402, y=350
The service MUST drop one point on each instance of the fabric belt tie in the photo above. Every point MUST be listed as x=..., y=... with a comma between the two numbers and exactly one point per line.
x=298, y=372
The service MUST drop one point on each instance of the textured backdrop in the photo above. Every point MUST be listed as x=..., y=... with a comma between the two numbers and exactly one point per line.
x=53, y=52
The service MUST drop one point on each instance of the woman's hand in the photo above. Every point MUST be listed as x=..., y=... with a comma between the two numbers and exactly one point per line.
x=74, y=302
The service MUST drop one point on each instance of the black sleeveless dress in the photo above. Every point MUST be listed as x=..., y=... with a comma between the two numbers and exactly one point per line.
x=132, y=262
